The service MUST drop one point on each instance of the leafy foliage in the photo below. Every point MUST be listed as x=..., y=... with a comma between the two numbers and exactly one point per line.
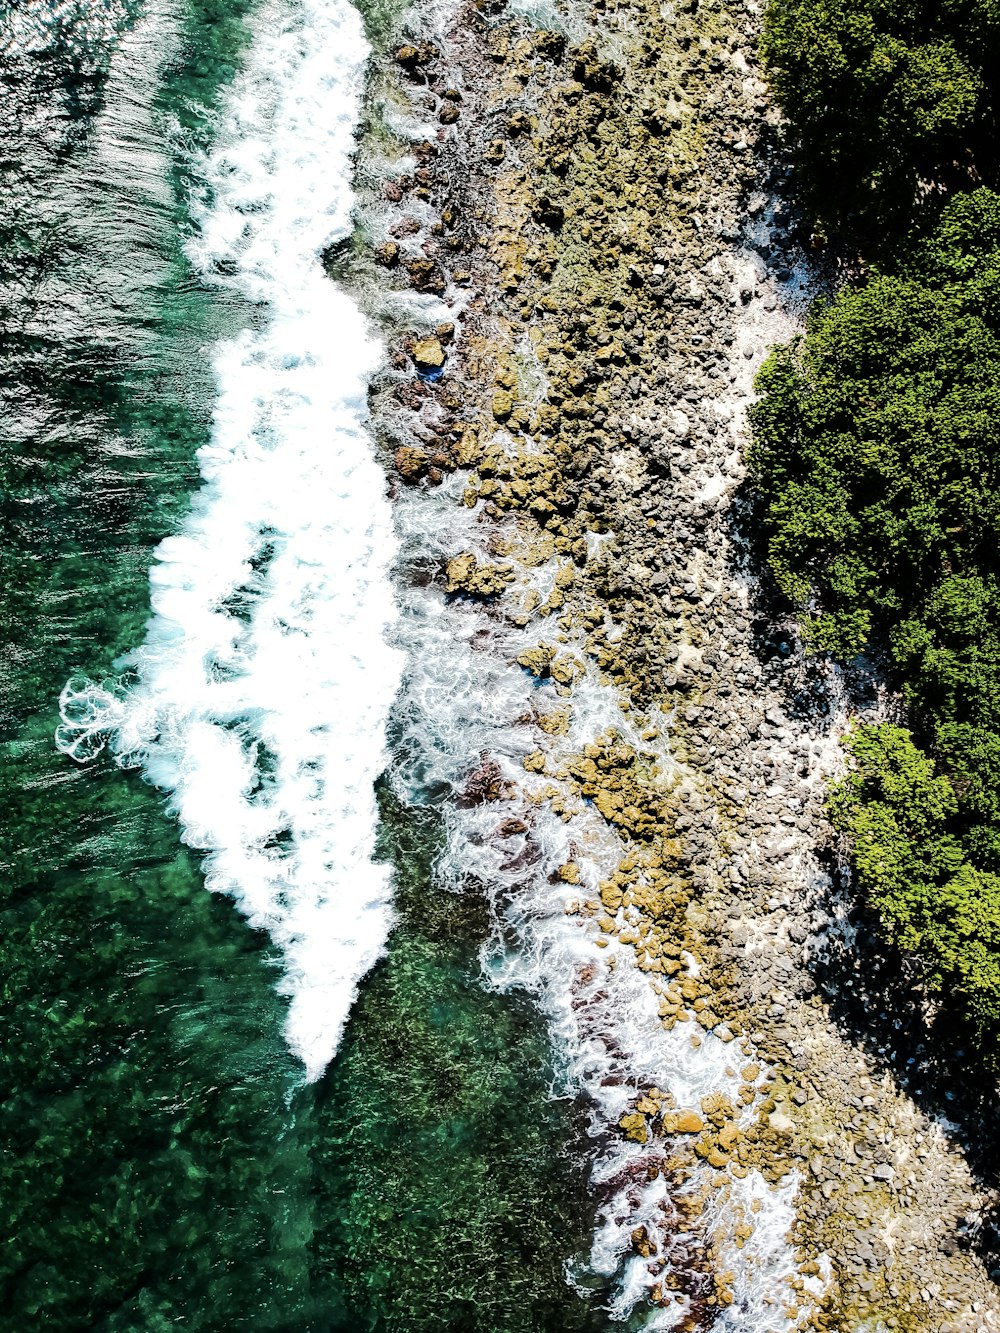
x=883, y=94
x=908, y=852
x=875, y=450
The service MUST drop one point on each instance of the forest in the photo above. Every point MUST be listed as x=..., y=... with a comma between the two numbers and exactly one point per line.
x=875, y=454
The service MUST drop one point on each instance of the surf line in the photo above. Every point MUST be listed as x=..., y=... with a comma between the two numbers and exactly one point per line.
x=260, y=696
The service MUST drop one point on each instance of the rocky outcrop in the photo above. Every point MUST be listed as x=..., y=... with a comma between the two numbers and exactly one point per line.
x=617, y=221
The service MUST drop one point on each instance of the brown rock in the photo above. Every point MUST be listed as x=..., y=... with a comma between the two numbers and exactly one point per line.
x=729, y=1136
x=549, y=45
x=642, y=1243
x=503, y=405
x=428, y=354
x=426, y=276
x=411, y=463
x=682, y=1122
x=634, y=1126
x=466, y=574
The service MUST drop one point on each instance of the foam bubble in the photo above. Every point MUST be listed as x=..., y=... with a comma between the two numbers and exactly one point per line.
x=259, y=698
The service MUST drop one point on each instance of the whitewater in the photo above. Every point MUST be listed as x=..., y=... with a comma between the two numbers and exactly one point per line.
x=259, y=698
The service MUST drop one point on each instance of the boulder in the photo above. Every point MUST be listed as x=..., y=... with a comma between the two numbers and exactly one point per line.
x=682, y=1122
x=428, y=355
x=634, y=1126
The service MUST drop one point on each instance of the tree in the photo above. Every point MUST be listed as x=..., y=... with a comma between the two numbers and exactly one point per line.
x=882, y=96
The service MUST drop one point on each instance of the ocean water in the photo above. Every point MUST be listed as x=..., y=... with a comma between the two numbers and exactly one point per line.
x=195, y=548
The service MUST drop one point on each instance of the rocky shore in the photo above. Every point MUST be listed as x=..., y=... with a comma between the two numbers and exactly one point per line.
x=580, y=234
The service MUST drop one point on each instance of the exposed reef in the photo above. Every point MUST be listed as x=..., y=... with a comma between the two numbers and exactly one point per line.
x=600, y=226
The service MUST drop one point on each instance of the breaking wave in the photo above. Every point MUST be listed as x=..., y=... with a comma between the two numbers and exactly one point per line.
x=259, y=698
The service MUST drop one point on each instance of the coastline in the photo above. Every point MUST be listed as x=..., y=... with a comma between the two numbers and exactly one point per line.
x=604, y=244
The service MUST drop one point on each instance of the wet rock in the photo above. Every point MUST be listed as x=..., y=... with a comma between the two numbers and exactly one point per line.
x=682, y=1122
x=465, y=574
x=642, y=1242
x=485, y=784
x=411, y=462
x=426, y=276
x=634, y=1126
x=413, y=57
x=428, y=355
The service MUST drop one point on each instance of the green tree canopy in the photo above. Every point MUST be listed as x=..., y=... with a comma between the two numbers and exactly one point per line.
x=883, y=95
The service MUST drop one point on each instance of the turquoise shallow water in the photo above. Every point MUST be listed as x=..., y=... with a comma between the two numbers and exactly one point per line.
x=164, y=1166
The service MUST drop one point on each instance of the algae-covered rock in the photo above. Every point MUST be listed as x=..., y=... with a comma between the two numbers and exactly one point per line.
x=634, y=1126
x=411, y=462
x=503, y=405
x=468, y=449
x=555, y=723
x=550, y=45
x=411, y=57
x=536, y=660
x=682, y=1122
x=729, y=1136
x=426, y=276
x=566, y=671
x=466, y=574
x=428, y=355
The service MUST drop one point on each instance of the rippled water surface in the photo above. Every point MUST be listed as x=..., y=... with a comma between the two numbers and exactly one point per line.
x=169, y=1167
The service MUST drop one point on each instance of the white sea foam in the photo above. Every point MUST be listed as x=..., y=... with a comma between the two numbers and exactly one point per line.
x=260, y=696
